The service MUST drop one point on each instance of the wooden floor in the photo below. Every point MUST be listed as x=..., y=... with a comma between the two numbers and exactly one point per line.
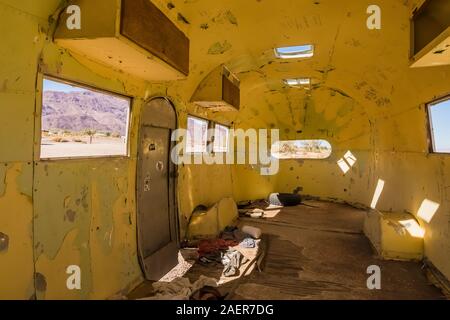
x=318, y=251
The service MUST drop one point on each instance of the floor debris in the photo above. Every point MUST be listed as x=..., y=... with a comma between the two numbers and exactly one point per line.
x=252, y=231
x=182, y=289
x=232, y=260
x=256, y=209
x=248, y=243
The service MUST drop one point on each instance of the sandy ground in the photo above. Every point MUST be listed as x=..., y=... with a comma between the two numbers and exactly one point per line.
x=99, y=147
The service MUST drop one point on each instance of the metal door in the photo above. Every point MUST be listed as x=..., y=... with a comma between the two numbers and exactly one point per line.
x=157, y=214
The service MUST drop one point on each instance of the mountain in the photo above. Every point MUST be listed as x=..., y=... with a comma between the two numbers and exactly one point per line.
x=79, y=111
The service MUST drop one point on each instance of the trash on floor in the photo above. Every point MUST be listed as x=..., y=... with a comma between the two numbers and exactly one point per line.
x=209, y=246
x=248, y=243
x=207, y=293
x=182, y=289
x=285, y=199
x=232, y=260
x=256, y=208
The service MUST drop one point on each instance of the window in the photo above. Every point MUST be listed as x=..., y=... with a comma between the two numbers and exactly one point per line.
x=80, y=122
x=297, y=82
x=301, y=149
x=295, y=52
x=197, y=137
x=439, y=117
x=221, y=136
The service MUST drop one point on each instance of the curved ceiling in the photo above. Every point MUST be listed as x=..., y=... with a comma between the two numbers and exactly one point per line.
x=369, y=67
x=242, y=34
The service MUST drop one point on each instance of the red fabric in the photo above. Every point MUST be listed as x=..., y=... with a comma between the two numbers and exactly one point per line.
x=214, y=245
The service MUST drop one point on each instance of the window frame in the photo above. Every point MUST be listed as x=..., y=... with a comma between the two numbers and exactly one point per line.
x=429, y=119
x=76, y=83
x=208, y=138
x=228, y=137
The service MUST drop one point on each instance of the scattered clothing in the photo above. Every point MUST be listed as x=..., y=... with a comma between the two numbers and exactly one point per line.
x=180, y=288
x=248, y=243
x=232, y=260
x=203, y=282
x=214, y=246
x=249, y=204
x=210, y=259
x=213, y=251
x=207, y=293
x=285, y=199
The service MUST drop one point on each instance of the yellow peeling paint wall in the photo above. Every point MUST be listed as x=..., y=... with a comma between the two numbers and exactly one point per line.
x=84, y=210
x=59, y=213
x=18, y=60
x=54, y=214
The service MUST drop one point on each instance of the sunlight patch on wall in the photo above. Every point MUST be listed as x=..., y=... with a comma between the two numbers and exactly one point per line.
x=350, y=158
x=343, y=165
x=377, y=194
x=347, y=162
x=427, y=210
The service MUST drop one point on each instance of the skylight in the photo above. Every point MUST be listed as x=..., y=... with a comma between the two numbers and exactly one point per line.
x=297, y=82
x=295, y=52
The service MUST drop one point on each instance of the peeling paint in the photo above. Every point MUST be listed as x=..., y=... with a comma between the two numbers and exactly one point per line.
x=70, y=215
x=40, y=282
x=4, y=242
x=219, y=48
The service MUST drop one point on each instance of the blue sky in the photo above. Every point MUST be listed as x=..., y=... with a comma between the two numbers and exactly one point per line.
x=294, y=49
x=440, y=116
x=50, y=85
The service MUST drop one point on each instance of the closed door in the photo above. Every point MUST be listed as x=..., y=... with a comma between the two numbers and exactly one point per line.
x=157, y=220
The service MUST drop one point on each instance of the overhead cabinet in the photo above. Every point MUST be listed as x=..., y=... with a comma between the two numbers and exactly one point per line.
x=430, y=34
x=220, y=90
x=133, y=36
